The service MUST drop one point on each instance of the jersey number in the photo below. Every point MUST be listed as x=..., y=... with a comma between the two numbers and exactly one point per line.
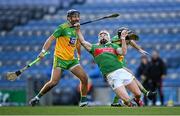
x=72, y=41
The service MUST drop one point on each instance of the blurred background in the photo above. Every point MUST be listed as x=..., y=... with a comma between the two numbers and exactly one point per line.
x=26, y=24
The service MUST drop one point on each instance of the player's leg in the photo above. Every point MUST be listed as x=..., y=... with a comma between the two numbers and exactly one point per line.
x=116, y=101
x=55, y=77
x=147, y=93
x=122, y=93
x=138, y=83
x=130, y=83
x=133, y=87
x=116, y=80
x=143, y=90
x=56, y=74
x=78, y=71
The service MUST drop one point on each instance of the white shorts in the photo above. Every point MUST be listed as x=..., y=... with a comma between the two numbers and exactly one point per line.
x=119, y=77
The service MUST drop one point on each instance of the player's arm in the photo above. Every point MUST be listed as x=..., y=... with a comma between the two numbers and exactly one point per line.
x=134, y=45
x=137, y=47
x=83, y=42
x=123, y=49
x=48, y=42
x=46, y=46
x=78, y=47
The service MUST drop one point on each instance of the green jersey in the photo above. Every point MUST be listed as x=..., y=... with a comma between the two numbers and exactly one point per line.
x=116, y=41
x=106, y=57
x=66, y=40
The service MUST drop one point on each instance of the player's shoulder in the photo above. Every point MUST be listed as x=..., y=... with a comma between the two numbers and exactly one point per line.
x=95, y=44
x=93, y=47
x=63, y=25
x=114, y=45
x=115, y=38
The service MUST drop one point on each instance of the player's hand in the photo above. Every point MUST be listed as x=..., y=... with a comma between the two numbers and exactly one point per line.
x=124, y=34
x=41, y=55
x=77, y=26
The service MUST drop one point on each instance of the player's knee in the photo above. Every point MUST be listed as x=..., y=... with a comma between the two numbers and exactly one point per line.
x=84, y=80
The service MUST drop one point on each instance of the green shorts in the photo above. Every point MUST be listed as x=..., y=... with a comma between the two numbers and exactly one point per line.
x=64, y=64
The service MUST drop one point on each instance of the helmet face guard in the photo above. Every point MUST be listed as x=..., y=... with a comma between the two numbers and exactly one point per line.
x=104, y=39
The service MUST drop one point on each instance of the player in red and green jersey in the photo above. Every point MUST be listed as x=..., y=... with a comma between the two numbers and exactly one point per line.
x=106, y=56
x=66, y=44
x=117, y=41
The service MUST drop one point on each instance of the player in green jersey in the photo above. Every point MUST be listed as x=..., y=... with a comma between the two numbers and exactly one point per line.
x=132, y=43
x=66, y=44
x=106, y=56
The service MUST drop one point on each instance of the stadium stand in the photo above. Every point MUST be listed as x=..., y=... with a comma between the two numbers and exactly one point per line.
x=25, y=25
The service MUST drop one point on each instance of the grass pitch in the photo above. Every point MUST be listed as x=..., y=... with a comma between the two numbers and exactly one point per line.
x=98, y=110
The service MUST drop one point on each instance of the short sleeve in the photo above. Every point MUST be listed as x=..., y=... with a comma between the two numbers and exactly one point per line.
x=115, y=46
x=58, y=32
x=115, y=38
x=92, y=49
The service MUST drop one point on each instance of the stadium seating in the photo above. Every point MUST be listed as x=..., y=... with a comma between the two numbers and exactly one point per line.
x=156, y=22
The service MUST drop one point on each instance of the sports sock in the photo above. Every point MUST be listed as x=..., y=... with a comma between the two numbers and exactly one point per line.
x=144, y=91
x=39, y=95
x=83, y=98
x=116, y=99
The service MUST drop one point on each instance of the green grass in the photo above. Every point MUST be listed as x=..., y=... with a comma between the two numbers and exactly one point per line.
x=99, y=110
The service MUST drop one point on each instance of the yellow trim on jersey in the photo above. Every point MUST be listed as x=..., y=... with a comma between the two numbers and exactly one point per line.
x=120, y=57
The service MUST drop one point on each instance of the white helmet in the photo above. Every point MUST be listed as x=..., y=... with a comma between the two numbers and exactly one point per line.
x=105, y=32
